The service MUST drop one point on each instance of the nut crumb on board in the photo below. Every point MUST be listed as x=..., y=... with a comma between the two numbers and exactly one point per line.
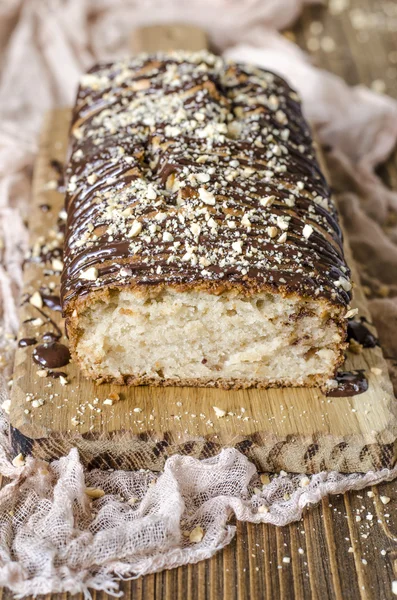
x=219, y=412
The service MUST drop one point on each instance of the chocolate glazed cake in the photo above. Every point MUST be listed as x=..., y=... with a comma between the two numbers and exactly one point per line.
x=202, y=245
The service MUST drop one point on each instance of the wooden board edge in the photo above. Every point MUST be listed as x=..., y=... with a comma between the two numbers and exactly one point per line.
x=321, y=453
x=294, y=454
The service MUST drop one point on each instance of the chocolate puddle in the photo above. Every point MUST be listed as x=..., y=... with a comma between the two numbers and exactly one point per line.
x=24, y=342
x=350, y=383
x=51, y=355
x=358, y=331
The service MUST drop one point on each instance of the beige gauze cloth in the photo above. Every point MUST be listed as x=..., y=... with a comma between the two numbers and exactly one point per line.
x=53, y=536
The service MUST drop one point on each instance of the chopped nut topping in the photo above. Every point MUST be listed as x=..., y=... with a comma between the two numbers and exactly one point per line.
x=90, y=274
x=238, y=246
x=203, y=190
x=135, y=229
x=206, y=196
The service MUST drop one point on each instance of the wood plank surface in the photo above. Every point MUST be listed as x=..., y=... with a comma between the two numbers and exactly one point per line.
x=249, y=567
x=296, y=429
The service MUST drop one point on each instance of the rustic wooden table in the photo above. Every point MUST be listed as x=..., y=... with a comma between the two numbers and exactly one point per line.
x=345, y=547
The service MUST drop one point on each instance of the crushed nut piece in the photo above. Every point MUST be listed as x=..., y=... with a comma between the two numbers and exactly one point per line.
x=6, y=406
x=355, y=346
x=36, y=300
x=135, y=229
x=376, y=371
x=19, y=460
x=90, y=274
x=94, y=492
x=385, y=499
x=219, y=412
x=206, y=197
x=196, y=535
x=57, y=264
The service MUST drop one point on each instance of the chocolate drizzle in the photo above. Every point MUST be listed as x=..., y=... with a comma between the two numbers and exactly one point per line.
x=187, y=170
x=59, y=169
x=51, y=355
x=58, y=332
x=51, y=301
x=50, y=336
x=350, y=383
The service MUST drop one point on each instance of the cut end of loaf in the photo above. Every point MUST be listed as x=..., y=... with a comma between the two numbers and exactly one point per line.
x=194, y=338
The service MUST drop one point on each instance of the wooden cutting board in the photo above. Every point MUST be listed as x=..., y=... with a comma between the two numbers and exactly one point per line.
x=298, y=430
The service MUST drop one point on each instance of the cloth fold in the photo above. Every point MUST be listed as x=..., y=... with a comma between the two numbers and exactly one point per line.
x=64, y=529
x=73, y=531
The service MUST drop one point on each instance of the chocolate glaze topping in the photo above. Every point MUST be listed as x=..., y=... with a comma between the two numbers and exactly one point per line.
x=187, y=169
x=51, y=355
x=350, y=383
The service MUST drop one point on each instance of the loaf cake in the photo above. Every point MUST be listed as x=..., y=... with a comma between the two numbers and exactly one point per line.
x=202, y=246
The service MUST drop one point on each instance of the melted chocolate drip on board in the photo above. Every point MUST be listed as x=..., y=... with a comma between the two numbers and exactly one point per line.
x=52, y=301
x=50, y=336
x=56, y=374
x=58, y=332
x=51, y=355
x=350, y=383
x=59, y=169
x=356, y=330
x=24, y=342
